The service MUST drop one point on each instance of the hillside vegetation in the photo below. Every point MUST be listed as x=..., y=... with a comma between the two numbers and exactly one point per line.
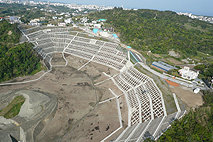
x=159, y=31
x=9, y=33
x=205, y=70
x=196, y=126
x=15, y=59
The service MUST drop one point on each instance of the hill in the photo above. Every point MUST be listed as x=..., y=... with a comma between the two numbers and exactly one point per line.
x=195, y=126
x=159, y=31
x=9, y=33
x=15, y=59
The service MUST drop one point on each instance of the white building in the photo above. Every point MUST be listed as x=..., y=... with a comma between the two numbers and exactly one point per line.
x=62, y=24
x=197, y=90
x=50, y=25
x=34, y=22
x=68, y=21
x=105, y=34
x=97, y=26
x=94, y=22
x=84, y=19
x=187, y=73
x=54, y=17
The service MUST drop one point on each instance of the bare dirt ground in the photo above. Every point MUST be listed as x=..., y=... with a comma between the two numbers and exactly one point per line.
x=79, y=116
x=157, y=55
x=58, y=59
x=187, y=96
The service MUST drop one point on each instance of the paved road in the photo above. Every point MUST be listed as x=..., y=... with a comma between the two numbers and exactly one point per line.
x=171, y=79
x=142, y=62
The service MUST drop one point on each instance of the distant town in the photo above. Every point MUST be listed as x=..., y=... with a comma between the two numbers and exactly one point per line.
x=61, y=18
x=71, y=6
x=79, y=8
x=199, y=17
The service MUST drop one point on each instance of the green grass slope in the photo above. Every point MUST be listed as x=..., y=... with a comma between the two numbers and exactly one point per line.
x=13, y=108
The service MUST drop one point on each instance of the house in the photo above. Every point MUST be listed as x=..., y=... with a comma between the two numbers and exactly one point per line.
x=60, y=18
x=68, y=21
x=1, y=18
x=13, y=19
x=105, y=34
x=97, y=26
x=37, y=20
x=34, y=22
x=102, y=20
x=42, y=18
x=109, y=29
x=54, y=17
x=50, y=25
x=196, y=90
x=187, y=73
x=61, y=24
x=94, y=22
x=84, y=19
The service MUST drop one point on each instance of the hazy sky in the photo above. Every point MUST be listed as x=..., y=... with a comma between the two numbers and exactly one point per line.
x=200, y=7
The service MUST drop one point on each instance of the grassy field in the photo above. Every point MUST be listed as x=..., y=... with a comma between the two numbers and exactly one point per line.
x=13, y=108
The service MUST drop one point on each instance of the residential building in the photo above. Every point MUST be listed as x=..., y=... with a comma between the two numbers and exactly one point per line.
x=97, y=26
x=50, y=25
x=187, y=73
x=1, y=18
x=61, y=24
x=102, y=20
x=34, y=23
x=13, y=19
x=68, y=21
x=54, y=17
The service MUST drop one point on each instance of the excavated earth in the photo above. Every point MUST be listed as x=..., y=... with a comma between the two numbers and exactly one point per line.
x=76, y=114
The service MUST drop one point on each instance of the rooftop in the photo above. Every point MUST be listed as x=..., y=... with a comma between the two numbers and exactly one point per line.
x=163, y=66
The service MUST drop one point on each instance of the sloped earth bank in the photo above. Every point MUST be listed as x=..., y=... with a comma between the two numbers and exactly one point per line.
x=78, y=116
x=37, y=106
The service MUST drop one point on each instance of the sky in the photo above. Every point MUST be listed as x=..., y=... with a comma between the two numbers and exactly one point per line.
x=197, y=7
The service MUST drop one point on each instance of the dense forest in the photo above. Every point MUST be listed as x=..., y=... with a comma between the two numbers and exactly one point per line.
x=9, y=33
x=205, y=70
x=15, y=59
x=159, y=31
x=196, y=126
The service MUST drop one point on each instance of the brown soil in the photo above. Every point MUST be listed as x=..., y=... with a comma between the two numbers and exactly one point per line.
x=176, y=62
x=171, y=83
x=187, y=96
x=58, y=59
x=157, y=55
x=78, y=117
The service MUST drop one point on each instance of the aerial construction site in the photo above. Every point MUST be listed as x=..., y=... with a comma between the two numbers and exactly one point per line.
x=91, y=90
